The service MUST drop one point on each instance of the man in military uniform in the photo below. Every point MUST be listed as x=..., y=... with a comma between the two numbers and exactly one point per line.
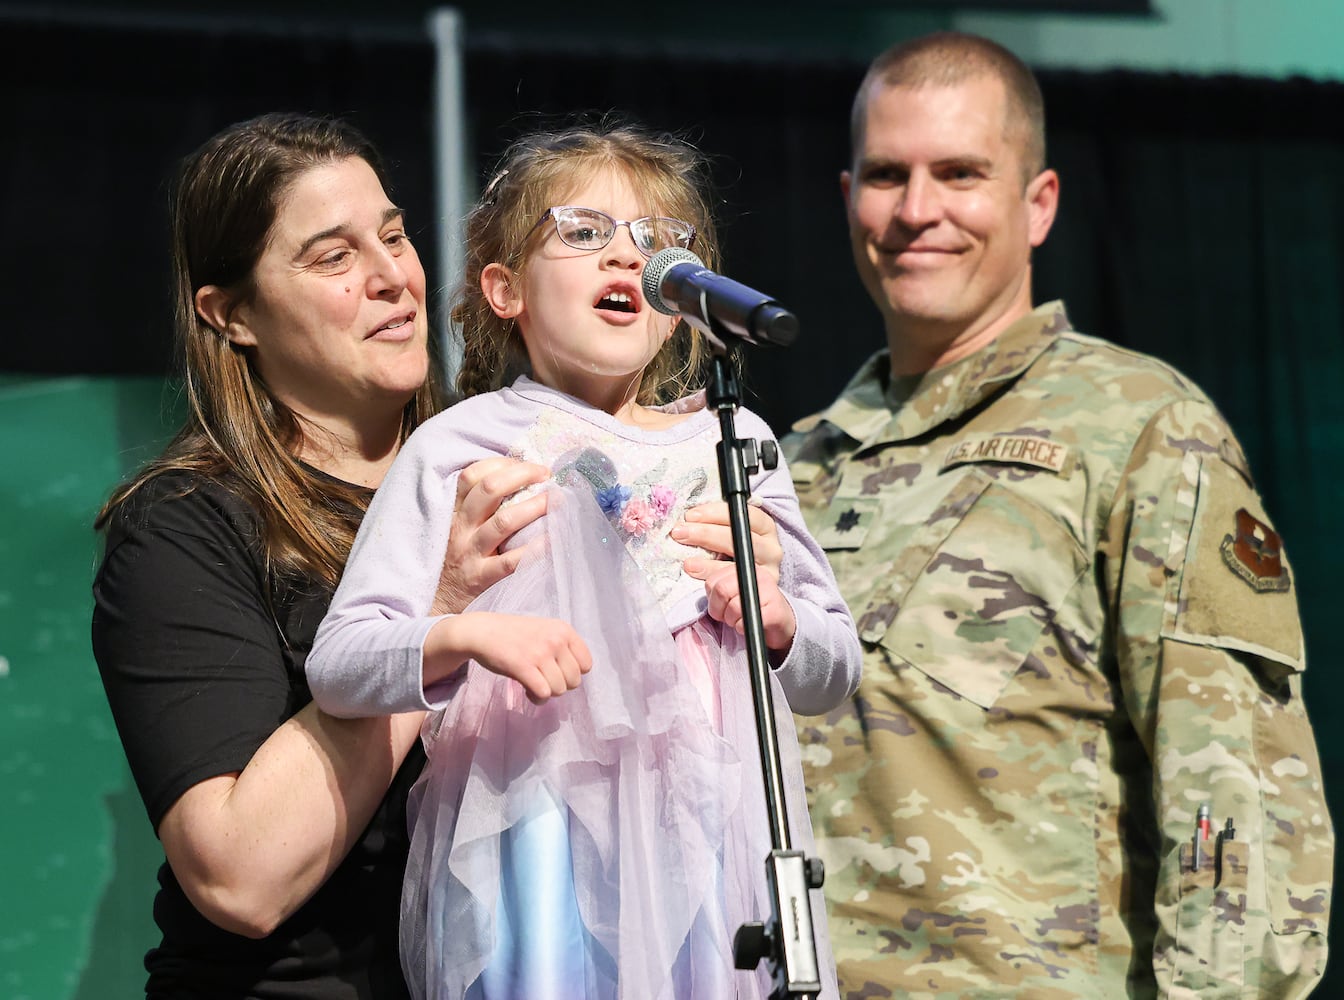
x=1079, y=626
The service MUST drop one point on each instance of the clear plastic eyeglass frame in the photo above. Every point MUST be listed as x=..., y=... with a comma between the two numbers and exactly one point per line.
x=589, y=229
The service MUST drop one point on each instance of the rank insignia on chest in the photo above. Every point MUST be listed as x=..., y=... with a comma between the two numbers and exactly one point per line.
x=847, y=521
x=844, y=524
x=1255, y=553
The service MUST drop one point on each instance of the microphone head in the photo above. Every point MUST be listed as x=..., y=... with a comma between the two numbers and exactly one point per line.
x=656, y=269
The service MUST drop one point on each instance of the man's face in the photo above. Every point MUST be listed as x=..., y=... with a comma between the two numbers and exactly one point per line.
x=941, y=222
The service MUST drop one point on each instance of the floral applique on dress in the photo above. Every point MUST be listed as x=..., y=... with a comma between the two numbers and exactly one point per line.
x=642, y=501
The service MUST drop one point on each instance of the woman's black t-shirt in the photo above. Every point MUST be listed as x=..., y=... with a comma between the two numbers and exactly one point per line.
x=202, y=663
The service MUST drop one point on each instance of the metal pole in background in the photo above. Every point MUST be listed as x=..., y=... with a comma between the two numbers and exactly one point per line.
x=451, y=174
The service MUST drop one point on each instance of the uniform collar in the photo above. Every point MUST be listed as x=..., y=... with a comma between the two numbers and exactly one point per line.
x=875, y=408
x=861, y=409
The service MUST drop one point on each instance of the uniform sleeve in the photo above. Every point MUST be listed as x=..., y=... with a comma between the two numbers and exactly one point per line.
x=823, y=665
x=366, y=657
x=1210, y=657
x=189, y=653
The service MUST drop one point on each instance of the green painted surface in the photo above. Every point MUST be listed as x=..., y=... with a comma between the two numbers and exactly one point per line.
x=80, y=857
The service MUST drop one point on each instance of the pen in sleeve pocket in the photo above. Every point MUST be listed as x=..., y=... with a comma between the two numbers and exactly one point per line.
x=1201, y=835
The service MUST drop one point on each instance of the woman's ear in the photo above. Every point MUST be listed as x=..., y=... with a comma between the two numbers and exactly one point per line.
x=218, y=308
x=500, y=287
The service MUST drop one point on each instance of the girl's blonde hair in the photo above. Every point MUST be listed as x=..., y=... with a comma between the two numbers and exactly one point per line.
x=536, y=172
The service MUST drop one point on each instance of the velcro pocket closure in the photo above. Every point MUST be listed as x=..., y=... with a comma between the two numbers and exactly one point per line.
x=901, y=553
x=1235, y=590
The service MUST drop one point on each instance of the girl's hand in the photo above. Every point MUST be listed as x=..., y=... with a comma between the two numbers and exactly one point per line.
x=707, y=527
x=544, y=655
x=480, y=527
x=725, y=604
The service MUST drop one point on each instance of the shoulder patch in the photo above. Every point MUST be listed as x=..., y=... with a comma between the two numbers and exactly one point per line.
x=1019, y=449
x=1255, y=553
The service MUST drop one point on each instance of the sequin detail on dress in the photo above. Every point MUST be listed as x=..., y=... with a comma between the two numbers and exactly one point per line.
x=642, y=502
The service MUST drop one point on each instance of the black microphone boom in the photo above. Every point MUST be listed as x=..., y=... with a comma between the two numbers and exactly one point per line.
x=676, y=281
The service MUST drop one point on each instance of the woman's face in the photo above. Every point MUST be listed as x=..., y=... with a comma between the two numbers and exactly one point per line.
x=337, y=320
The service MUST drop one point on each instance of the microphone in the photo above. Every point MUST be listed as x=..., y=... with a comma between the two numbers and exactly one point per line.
x=676, y=281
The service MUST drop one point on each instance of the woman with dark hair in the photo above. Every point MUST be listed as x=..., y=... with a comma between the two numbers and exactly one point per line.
x=302, y=323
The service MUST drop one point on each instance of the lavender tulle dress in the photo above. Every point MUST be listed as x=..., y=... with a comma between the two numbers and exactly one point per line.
x=609, y=842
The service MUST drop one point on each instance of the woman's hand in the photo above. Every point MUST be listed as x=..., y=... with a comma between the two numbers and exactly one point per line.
x=707, y=527
x=480, y=527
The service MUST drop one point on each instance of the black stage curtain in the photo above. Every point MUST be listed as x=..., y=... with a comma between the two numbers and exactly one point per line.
x=1202, y=218
x=97, y=120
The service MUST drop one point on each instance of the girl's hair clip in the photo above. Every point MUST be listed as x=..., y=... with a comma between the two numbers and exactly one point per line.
x=489, y=195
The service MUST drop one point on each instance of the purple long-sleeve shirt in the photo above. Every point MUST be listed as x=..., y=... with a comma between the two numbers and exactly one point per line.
x=367, y=655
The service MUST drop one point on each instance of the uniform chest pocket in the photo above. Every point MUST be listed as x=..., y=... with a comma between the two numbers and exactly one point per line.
x=973, y=589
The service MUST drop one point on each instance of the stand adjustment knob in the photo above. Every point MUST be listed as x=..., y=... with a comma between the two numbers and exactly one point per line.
x=816, y=873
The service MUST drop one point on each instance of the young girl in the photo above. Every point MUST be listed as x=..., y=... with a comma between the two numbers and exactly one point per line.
x=592, y=820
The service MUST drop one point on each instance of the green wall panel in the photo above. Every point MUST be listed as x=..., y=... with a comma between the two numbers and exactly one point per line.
x=78, y=877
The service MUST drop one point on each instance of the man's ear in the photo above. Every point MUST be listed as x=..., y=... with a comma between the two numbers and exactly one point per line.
x=219, y=309
x=1042, y=203
x=500, y=287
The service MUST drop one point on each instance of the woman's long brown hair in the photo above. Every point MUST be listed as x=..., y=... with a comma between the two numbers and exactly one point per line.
x=226, y=200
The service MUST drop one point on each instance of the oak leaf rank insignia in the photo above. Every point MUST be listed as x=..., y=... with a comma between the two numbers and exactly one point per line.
x=847, y=521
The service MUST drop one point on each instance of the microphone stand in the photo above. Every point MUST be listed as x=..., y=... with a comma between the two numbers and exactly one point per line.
x=787, y=941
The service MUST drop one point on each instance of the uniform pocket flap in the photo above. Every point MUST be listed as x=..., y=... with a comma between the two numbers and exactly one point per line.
x=982, y=600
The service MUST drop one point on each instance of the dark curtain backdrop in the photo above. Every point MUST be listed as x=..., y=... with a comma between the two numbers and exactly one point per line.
x=1202, y=219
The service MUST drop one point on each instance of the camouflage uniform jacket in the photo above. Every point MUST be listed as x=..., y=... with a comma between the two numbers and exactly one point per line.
x=1078, y=627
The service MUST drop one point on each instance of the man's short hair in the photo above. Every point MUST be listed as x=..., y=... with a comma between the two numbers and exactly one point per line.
x=947, y=58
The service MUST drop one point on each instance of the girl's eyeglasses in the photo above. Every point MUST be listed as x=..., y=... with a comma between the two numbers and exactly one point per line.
x=589, y=229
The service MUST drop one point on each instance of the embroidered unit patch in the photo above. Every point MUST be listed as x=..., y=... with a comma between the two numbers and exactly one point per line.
x=1255, y=554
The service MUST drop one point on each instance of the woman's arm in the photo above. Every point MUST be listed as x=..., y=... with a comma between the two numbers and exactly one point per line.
x=255, y=804
x=250, y=848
